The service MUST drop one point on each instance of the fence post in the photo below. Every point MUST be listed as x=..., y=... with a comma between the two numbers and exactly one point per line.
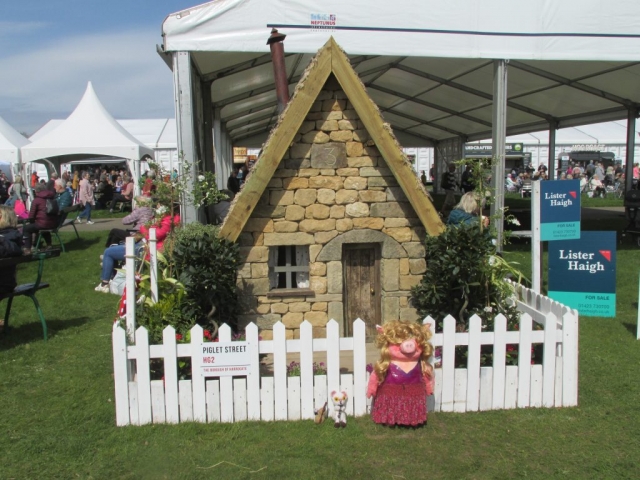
x=448, y=363
x=226, y=383
x=306, y=370
x=253, y=379
x=198, y=397
x=570, y=359
x=130, y=285
x=359, y=368
x=153, y=264
x=499, y=354
x=120, y=375
x=280, y=371
x=143, y=377
x=333, y=357
x=171, y=375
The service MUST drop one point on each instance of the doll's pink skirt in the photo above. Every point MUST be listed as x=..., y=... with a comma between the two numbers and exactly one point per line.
x=400, y=405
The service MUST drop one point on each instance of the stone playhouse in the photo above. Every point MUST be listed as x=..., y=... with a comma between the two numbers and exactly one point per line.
x=332, y=219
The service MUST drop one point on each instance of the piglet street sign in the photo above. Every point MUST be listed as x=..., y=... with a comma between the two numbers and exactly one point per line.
x=225, y=359
x=559, y=210
x=582, y=273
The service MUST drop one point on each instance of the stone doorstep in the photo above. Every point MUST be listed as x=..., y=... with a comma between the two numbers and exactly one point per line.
x=346, y=359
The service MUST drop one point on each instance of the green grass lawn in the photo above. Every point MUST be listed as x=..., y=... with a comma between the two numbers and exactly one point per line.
x=58, y=421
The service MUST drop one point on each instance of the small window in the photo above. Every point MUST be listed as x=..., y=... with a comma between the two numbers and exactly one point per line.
x=289, y=267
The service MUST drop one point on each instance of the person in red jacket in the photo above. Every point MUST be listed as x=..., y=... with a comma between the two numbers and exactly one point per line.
x=38, y=217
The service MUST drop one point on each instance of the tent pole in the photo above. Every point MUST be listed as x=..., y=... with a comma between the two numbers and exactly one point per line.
x=184, y=118
x=207, y=114
x=552, y=150
x=498, y=139
x=631, y=146
x=218, y=155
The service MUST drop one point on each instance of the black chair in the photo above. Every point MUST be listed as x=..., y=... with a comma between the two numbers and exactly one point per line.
x=63, y=221
x=27, y=289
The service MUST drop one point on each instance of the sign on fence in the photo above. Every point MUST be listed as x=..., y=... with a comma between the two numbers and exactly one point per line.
x=582, y=273
x=559, y=210
x=225, y=359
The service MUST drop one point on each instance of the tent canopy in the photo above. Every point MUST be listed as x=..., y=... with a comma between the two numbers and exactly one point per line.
x=427, y=65
x=90, y=130
x=10, y=143
x=153, y=132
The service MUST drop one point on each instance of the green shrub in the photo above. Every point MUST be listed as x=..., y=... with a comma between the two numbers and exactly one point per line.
x=207, y=266
x=174, y=307
x=464, y=277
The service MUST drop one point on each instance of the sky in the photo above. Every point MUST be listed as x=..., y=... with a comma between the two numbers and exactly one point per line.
x=50, y=49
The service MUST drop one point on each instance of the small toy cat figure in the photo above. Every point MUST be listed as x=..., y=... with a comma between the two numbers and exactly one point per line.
x=340, y=408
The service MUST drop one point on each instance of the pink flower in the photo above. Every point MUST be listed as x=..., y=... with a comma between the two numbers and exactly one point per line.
x=178, y=336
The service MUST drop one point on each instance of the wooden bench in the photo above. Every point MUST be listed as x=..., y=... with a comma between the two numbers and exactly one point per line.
x=27, y=289
x=63, y=221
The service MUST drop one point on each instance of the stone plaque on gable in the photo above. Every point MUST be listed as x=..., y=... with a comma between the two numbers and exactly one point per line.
x=329, y=155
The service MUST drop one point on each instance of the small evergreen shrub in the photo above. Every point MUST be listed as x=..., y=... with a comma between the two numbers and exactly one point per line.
x=206, y=265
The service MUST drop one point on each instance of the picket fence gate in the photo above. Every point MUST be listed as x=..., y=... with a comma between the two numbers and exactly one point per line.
x=140, y=400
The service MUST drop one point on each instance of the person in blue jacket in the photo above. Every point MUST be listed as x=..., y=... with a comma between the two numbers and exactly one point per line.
x=468, y=211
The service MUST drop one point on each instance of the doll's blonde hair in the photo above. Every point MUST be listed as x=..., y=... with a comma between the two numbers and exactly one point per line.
x=396, y=332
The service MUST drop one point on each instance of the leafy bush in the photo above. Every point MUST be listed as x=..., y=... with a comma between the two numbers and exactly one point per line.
x=464, y=277
x=206, y=265
x=174, y=307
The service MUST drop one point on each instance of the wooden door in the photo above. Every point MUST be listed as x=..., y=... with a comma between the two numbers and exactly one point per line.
x=361, y=286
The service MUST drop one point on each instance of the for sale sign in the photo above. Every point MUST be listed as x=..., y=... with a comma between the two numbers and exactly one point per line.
x=582, y=273
x=559, y=210
x=225, y=359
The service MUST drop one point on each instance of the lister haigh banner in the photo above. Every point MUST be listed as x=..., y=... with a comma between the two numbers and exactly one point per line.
x=582, y=273
x=559, y=210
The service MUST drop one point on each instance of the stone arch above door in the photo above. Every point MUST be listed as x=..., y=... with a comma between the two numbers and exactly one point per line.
x=332, y=251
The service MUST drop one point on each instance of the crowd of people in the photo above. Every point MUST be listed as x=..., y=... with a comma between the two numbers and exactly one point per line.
x=595, y=179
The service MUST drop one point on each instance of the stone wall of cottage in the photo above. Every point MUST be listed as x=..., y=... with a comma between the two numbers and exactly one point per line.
x=359, y=202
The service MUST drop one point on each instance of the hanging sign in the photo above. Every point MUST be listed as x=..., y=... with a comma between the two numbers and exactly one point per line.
x=582, y=273
x=559, y=209
x=225, y=359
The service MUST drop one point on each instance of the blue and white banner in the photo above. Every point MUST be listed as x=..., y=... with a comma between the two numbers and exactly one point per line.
x=582, y=273
x=559, y=210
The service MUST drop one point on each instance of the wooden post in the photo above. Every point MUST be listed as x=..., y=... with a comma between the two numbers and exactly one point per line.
x=153, y=264
x=130, y=285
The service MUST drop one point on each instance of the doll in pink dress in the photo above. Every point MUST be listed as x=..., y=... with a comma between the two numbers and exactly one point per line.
x=403, y=377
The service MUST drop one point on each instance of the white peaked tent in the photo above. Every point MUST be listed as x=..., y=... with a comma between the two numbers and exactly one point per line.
x=10, y=143
x=90, y=130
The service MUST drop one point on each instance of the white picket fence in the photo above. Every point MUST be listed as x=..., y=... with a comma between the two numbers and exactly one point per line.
x=554, y=383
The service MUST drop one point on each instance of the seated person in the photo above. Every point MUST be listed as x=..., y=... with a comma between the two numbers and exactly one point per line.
x=116, y=253
x=468, y=211
x=511, y=185
x=124, y=196
x=584, y=183
x=142, y=214
x=10, y=246
x=597, y=187
x=149, y=187
x=104, y=193
x=63, y=196
x=39, y=218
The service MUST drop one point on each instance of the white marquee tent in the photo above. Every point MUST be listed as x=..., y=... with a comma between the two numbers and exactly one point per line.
x=90, y=130
x=10, y=143
x=158, y=134
x=432, y=67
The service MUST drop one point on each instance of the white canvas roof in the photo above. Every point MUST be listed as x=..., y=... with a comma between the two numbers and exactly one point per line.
x=90, y=130
x=427, y=65
x=609, y=133
x=156, y=133
x=10, y=143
